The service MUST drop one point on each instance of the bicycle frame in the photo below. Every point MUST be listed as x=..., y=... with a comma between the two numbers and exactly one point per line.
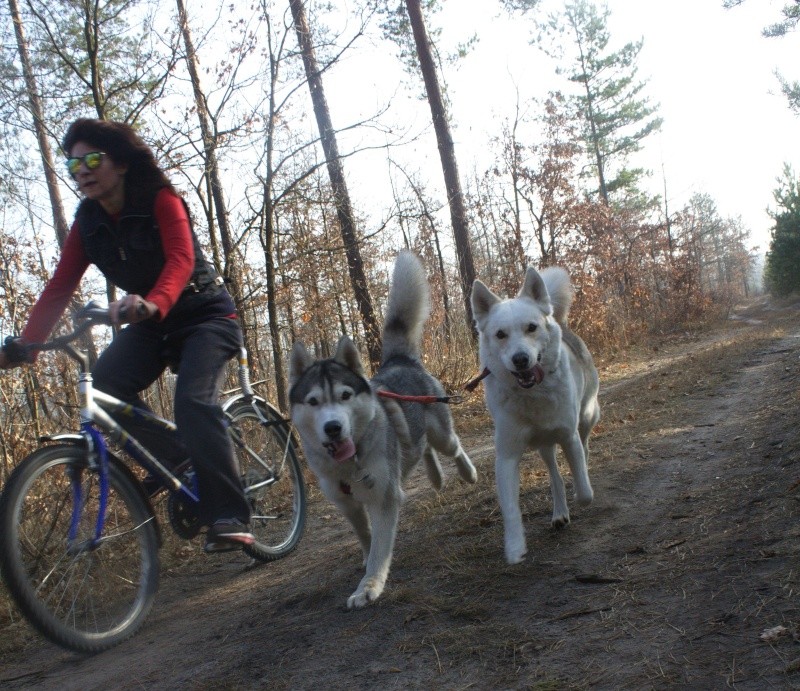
x=96, y=409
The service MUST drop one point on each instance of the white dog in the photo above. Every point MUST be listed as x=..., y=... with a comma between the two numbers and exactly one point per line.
x=541, y=391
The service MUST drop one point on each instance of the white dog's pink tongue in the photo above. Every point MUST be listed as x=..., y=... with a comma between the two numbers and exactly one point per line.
x=342, y=450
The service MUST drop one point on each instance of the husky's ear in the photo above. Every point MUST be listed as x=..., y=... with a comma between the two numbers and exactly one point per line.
x=299, y=362
x=535, y=289
x=347, y=355
x=482, y=300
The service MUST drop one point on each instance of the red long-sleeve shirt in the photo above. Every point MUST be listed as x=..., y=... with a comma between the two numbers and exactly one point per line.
x=176, y=241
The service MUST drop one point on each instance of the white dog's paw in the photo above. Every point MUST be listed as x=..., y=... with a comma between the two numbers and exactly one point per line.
x=367, y=592
x=560, y=520
x=515, y=554
x=584, y=496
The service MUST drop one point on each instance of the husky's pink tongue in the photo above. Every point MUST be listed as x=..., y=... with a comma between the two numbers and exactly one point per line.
x=342, y=450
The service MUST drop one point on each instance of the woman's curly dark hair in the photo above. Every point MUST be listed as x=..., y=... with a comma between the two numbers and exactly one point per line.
x=121, y=142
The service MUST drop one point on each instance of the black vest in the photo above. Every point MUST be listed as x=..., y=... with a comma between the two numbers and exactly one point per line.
x=129, y=252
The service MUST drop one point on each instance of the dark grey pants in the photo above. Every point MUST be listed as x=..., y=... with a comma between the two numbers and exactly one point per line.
x=136, y=358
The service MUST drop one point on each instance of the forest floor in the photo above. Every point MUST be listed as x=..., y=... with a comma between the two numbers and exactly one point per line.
x=683, y=573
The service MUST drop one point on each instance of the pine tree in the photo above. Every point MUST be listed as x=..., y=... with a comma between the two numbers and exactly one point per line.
x=616, y=114
x=781, y=275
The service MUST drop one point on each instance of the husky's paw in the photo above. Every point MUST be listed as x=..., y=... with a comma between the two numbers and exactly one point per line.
x=366, y=593
x=466, y=470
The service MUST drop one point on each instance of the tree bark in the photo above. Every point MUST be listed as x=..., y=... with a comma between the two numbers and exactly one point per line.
x=60, y=223
x=455, y=197
x=344, y=211
x=218, y=208
x=56, y=204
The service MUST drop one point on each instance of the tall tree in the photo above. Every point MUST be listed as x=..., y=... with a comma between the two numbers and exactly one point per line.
x=789, y=21
x=616, y=114
x=94, y=60
x=781, y=275
x=37, y=115
x=99, y=55
x=447, y=154
x=218, y=209
x=341, y=195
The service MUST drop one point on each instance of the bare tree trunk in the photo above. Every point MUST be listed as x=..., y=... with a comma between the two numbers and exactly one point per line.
x=218, y=208
x=344, y=209
x=56, y=204
x=595, y=139
x=426, y=212
x=455, y=196
x=59, y=219
x=267, y=243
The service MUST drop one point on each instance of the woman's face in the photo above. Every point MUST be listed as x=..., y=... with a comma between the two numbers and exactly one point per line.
x=105, y=183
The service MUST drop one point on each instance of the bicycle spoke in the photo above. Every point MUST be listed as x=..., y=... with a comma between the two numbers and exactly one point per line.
x=86, y=594
x=274, y=485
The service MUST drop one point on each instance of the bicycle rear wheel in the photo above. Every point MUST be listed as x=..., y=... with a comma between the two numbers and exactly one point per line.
x=83, y=594
x=273, y=479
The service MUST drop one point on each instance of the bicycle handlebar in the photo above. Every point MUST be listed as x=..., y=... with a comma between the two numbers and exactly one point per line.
x=88, y=316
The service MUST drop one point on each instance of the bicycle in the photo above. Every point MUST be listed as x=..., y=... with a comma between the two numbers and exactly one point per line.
x=79, y=537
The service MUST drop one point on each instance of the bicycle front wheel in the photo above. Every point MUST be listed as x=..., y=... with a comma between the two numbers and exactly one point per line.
x=79, y=591
x=272, y=478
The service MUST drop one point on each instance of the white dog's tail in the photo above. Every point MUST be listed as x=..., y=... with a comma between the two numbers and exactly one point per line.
x=560, y=290
x=407, y=309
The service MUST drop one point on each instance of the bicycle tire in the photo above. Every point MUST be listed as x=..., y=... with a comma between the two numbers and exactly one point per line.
x=82, y=596
x=273, y=480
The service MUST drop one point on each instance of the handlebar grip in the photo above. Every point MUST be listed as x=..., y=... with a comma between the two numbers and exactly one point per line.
x=17, y=350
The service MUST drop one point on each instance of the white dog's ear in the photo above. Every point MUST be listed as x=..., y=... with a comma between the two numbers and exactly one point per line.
x=299, y=362
x=347, y=355
x=482, y=300
x=535, y=289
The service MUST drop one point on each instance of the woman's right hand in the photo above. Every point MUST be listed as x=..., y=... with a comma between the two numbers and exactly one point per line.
x=131, y=309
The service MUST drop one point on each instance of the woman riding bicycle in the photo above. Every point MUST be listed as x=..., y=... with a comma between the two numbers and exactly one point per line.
x=135, y=228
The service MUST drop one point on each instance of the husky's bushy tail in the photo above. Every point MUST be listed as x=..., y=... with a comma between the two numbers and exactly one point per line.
x=559, y=287
x=407, y=309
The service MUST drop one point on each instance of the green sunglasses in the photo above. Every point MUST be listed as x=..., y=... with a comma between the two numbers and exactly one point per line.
x=92, y=160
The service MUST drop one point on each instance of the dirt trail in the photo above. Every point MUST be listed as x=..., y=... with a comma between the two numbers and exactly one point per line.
x=684, y=573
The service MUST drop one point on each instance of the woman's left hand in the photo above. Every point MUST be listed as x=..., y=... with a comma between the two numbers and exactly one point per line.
x=131, y=309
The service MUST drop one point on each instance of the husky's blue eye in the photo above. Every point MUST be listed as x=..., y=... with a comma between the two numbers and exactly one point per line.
x=501, y=335
x=532, y=327
x=312, y=401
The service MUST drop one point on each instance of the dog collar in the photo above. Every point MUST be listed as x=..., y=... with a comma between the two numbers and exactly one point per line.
x=366, y=478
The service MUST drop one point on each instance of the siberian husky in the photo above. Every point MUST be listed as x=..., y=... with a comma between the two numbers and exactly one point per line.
x=541, y=391
x=362, y=446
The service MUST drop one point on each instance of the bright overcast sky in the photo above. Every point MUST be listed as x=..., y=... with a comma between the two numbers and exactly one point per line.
x=727, y=131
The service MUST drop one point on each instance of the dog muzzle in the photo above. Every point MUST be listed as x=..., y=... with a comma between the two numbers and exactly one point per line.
x=341, y=450
x=529, y=377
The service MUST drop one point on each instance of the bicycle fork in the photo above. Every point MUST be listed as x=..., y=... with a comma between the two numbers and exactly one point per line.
x=98, y=461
